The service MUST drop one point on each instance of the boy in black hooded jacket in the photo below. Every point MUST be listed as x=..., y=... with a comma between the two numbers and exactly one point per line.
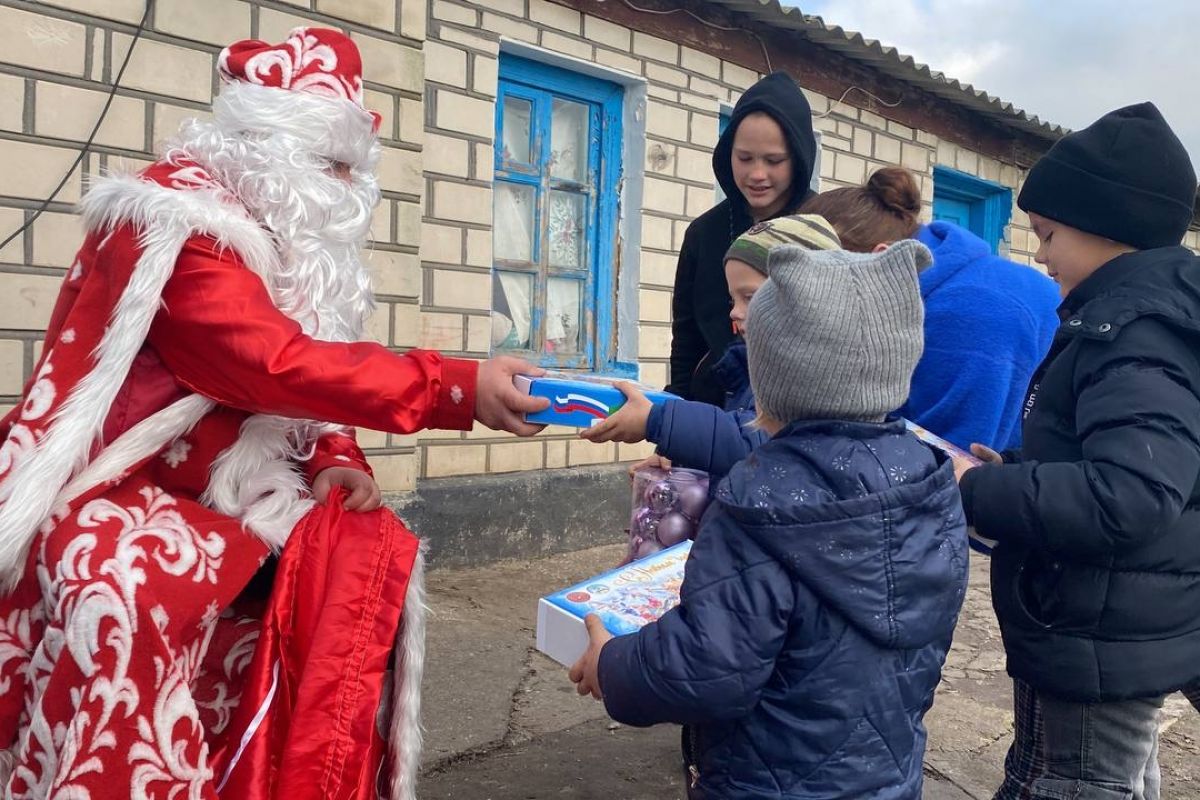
x=1096, y=574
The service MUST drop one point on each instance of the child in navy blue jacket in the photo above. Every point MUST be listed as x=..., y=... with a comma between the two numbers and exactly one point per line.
x=695, y=434
x=822, y=590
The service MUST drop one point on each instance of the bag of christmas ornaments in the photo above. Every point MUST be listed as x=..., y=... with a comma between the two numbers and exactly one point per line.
x=667, y=506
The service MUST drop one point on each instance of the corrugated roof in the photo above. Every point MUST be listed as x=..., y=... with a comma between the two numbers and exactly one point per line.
x=891, y=62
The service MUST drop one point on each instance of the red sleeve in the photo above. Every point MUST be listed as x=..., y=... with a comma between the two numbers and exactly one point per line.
x=221, y=335
x=336, y=450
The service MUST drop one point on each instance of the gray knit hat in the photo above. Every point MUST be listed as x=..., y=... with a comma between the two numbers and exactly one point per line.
x=836, y=335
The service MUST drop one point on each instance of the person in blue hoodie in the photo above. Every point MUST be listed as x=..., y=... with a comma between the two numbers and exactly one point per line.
x=693, y=433
x=821, y=593
x=988, y=321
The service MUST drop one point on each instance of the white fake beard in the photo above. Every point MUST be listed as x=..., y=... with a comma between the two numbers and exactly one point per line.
x=319, y=222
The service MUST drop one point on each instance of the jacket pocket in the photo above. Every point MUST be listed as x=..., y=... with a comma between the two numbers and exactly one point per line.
x=1064, y=597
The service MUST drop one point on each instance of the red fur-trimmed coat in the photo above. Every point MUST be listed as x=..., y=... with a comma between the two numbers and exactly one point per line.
x=152, y=464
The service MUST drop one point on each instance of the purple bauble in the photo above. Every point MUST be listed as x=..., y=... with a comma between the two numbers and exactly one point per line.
x=693, y=499
x=674, y=528
x=661, y=496
x=645, y=523
x=647, y=548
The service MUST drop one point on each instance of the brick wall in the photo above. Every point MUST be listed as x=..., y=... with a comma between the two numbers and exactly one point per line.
x=431, y=68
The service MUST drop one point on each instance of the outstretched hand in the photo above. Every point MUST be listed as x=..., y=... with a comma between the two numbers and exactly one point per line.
x=586, y=672
x=498, y=404
x=628, y=423
x=362, y=492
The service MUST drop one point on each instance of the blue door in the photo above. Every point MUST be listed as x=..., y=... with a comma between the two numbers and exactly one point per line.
x=955, y=211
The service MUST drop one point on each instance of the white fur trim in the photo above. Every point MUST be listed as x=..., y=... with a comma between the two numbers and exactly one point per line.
x=256, y=479
x=406, y=736
x=328, y=126
x=138, y=443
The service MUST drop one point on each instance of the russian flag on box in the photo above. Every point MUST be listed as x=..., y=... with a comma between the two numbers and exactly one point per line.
x=579, y=401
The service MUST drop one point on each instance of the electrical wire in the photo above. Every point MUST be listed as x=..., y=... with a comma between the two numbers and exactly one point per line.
x=703, y=21
x=137, y=34
x=841, y=99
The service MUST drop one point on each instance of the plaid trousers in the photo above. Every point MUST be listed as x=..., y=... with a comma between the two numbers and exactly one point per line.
x=1025, y=761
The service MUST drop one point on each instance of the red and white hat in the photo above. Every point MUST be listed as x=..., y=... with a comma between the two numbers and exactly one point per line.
x=309, y=86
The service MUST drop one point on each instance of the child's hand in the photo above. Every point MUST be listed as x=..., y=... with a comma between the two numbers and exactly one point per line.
x=986, y=454
x=585, y=673
x=628, y=425
x=361, y=490
x=961, y=467
x=650, y=462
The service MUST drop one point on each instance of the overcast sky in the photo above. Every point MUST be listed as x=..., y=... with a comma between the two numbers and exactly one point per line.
x=1067, y=61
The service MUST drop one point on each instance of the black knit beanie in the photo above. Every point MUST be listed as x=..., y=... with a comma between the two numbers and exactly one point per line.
x=1125, y=177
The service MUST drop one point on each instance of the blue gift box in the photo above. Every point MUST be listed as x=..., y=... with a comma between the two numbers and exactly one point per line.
x=579, y=401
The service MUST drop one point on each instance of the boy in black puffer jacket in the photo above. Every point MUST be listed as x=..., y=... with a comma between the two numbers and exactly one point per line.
x=1096, y=574
x=823, y=587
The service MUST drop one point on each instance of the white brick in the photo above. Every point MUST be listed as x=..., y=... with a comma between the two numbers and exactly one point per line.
x=381, y=222
x=412, y=121
x=413, y=19
x=867, y=118
x=216, y=22
x=914, y=157
x=453, y=201
x=123, y=10
x=408, y=223
x=406, y=324
x=565, y=44
x=555, y=16
x=819, y=103
x=601, y=31
x=479, y=248
x=452, y=12
x=168, y=119
x=12, y=366
x=12, y=111
x=860, y=142
x=654, y=306
x=42, y=42
x=515, y=8
x=704, y=130
x=968, y=161
x=65, y=112
x=656, y=232
x=378, y=327
x=390, y=64
x=946, y=153
x=667, y=75
x=667, y=121
x=56, y=239
x=165, y=69
x=665, y=196
x=580, y=452
x=400, y=171
x=699, y=200
x=504, y=26
x=656, y=48
x=703, y=63
x=618, y=61
x=33, y=170
x=274, y=26
x=517, y=457
x=441, y=331
x=706, y=89
x=374, y=13
x=654, y=374
x=887, y=149
x=14, y=252
x=395, y=472
x=850, y=169
x=485, y=158
x=737, y=75
x=694, y=165
x=654, y=341
x=456, y=112
x=662, y=93
x=27, y=300
x=556, y=454
x=658, y=269
x=385, y=106
x=479, y=334
x=903, y=131
x=444, y=64
x=395, y=273
x=444, y=461
x=470, y=290
x=486, y=44
x=441, y=243
x=486, y=76
x=634, y=452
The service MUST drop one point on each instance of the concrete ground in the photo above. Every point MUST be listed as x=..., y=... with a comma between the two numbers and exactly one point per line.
x=504, y=723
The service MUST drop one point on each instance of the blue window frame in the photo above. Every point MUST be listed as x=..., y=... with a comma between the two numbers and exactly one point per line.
x=557, y=167
x=982, y=207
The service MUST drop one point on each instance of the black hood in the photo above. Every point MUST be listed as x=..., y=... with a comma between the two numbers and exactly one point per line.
x=777, y=95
